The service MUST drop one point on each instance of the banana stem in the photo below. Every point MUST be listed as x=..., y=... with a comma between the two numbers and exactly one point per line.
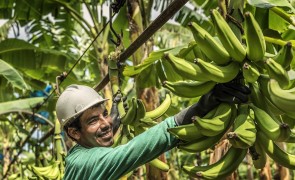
x=277, y=41
x=114, y=80
x=58, y=145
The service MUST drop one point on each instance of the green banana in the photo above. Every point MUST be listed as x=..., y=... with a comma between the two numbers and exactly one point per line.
x=271, y=108
x=124, y=139
x=131, y=113
x=188, y=52
x=187, y=132
x=250, y=72
x=288, y=120
x=117, y=139
x=159, y=164
x=227, y=37
x=256, y=95
x=198, y=53
x=160, y=110
x=189, y=89
x=264, y=96
x=275, y=152
x=222, y=168
x=147, y=122
x=273, y=129
x=51, y=172
x=214, y=112
x=16, y=176
x=217, y=124
x=254, y=38
x=220, y=74
x=140, y=112
x=211, y=47
x=244, y=131
x=291, y=139
x=200, y=144
x=277, y=72
x=285, y=55
x=186, y=69
x=210, y=127
x=190, y=132
x=259, y=157
x=283, y=99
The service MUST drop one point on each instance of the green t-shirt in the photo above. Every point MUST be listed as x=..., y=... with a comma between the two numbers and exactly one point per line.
x=112, y=163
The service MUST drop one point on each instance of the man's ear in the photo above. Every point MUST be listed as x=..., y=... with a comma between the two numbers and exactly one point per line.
x=74, y=133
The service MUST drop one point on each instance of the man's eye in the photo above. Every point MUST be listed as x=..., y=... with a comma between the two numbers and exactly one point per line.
x=93, y=120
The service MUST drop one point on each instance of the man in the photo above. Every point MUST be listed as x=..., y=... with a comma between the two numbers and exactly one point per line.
x=85, y=119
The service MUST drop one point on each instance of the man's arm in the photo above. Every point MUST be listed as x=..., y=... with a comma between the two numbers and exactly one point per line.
x=112, y=163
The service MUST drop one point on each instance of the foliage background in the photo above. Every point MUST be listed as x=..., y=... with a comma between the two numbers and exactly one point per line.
x=41, y=39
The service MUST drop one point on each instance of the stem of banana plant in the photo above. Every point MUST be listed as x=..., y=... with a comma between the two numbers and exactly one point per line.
x=58, y=145
x=277, y=41
x=114, y=80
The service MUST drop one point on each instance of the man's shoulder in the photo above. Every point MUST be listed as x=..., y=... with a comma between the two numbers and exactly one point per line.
x=79, y=150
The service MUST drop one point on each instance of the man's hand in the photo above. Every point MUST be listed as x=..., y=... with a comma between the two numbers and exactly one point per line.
x=231, y=92
x=115, y=113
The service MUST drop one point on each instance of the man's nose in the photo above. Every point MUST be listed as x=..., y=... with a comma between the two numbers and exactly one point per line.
x=104, y=123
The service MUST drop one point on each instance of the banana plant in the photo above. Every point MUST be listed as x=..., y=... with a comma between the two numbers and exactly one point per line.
x=58, y=34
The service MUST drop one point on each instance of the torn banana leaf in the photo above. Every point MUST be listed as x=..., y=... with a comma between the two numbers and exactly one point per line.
x=153, y=56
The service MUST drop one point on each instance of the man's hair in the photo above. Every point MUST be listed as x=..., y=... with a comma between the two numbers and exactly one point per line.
x=75, y=124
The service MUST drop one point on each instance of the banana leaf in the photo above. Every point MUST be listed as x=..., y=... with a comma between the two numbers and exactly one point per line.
x=271, y=3
x=12, y=75
x=22, y=54
x=22, y=104
x=153, y=57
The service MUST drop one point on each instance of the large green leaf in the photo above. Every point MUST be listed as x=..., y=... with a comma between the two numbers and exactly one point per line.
x=12, y=75
x=26, y=9
x=277, y=23
x=148, y=77
x=271, y=3
x=28, y=58
x=22, y=104
x=153, y=56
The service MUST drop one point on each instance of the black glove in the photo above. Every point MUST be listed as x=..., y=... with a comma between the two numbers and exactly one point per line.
x=231, y=92
x=115, y=113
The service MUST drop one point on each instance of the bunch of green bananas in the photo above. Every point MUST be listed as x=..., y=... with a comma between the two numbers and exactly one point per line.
x=137, y=120
x=51, y=171
x=267, y=118
x=205, y=132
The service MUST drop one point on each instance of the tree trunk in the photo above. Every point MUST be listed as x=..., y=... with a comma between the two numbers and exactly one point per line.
x=220, y=149
x=265, y=173
x=282, y=172
x=249, y=166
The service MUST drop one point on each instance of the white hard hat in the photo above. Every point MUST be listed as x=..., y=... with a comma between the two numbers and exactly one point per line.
x=74, y=100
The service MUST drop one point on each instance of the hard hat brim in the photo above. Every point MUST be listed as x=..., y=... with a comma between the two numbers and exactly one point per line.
x=76, y=115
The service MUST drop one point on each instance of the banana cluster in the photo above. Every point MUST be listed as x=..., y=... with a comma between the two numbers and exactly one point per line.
x=205, y=132
x=254, y=127
x=51, y=171
x=138, y=120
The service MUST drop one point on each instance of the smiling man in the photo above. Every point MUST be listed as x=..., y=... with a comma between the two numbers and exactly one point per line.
x=83, y=115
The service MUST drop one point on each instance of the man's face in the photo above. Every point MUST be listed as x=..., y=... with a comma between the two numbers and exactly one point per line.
x=96, y=128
